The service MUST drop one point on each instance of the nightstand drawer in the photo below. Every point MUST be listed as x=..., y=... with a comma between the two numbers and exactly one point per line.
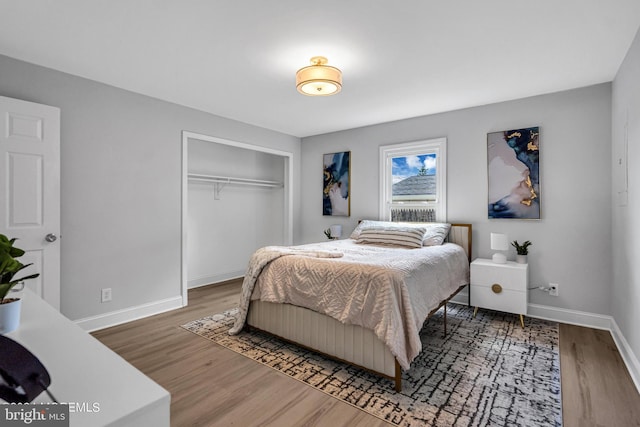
x=506, y=300
x=509, y=276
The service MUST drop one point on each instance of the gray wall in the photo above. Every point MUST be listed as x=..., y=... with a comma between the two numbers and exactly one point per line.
x=121, y=160
x=121, y=184
x=626, y=228
x=572, y=242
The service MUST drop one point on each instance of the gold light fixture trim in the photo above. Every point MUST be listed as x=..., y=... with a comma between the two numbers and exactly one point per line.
x=319, y=79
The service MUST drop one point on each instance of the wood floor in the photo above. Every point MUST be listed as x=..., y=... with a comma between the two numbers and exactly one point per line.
x=213, y=386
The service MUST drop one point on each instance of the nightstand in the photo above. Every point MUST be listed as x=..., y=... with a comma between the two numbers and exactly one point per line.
x=501, y=287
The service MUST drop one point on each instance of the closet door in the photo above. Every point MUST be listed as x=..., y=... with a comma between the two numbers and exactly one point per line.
x=30, y=189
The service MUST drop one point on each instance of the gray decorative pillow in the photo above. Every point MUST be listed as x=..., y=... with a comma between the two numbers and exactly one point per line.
x=365, y=223
x=408, y=237
x=436, y=232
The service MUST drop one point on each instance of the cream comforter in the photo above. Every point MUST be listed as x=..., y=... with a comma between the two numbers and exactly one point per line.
x=388, y=290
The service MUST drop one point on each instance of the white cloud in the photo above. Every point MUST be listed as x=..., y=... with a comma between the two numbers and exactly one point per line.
x=429, y=162
x=414, y=162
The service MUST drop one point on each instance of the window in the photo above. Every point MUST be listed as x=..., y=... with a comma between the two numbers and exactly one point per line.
x=413, y=181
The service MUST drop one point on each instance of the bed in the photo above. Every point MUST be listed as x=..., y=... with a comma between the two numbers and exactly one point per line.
x=357, y=301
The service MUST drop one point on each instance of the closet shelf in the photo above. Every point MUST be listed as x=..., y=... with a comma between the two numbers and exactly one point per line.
x=221, y=181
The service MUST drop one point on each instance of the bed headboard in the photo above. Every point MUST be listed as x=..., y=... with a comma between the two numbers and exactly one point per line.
x=460, y=234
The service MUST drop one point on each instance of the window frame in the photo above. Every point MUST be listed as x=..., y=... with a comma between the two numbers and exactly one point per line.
x=437, y=146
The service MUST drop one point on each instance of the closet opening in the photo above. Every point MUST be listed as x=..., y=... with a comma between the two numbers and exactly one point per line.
x=236, y=198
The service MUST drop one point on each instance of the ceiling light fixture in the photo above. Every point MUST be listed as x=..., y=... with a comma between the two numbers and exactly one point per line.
x=319, y=79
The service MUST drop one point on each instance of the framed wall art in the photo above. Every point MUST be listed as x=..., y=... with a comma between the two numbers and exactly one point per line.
x=514, y=173
x=336, y=193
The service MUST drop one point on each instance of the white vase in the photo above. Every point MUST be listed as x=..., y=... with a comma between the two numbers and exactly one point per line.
x=521, y=259
x=10, y=316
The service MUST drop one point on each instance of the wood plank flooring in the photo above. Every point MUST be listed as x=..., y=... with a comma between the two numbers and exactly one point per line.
x=596, y=387
x=213, y=386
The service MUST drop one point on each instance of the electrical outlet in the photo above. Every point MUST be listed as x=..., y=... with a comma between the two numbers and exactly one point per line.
x=553, y=291
x=106, y=295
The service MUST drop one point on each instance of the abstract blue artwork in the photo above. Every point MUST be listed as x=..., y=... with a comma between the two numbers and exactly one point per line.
x=336, y=177
x=514, y=173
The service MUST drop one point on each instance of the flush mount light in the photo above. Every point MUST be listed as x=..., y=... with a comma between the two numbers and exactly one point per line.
x=319, y=79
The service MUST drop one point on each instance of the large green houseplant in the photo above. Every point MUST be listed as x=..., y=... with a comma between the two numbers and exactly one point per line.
x=9, y=267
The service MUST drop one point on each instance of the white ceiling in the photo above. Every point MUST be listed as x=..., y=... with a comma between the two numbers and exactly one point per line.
x=400, y=59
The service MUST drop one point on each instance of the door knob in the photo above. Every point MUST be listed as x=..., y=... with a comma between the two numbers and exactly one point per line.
x=51, y=238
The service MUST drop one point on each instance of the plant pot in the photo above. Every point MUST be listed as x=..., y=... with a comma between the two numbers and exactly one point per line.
x=10, y=315
x=521, y=259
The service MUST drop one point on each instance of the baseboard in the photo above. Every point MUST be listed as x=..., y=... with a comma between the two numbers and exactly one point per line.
x=555, y=314
x=572, y=317
x=118, y=317
x=629, y=358
x=207, y=280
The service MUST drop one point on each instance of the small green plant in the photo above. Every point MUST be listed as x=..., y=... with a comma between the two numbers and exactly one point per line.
x=9, y=266
x=327, y=233
x=521, y=249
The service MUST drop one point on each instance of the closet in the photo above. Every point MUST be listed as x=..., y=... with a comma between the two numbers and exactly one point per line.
x=237, y=201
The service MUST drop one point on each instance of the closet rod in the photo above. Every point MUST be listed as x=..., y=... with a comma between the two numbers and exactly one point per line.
x=232, y=180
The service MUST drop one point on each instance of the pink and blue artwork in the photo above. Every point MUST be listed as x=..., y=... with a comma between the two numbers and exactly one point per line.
x=514, y=173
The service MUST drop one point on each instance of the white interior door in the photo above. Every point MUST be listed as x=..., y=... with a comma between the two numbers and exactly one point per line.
x=30, y=189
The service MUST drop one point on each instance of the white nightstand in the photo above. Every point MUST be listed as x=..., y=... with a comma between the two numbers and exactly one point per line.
x=501, y=287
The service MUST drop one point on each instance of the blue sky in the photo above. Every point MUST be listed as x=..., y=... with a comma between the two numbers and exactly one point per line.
x=404, y=167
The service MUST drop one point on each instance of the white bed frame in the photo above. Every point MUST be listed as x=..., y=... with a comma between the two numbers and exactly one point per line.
x=346, y=343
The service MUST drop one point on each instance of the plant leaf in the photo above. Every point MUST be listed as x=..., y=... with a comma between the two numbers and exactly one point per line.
x=9, y=265
x=4, y=289
x=31, y=276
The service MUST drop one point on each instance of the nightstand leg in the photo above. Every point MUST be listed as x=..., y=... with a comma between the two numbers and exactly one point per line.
x=522, y=320
x=475, y=310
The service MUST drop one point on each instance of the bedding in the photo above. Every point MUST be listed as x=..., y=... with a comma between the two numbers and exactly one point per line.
x=387, y=289
x=259, y=260
x=434, y=233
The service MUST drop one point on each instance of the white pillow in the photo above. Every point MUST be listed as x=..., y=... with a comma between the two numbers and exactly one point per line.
x=408, y=237
x=435, y=234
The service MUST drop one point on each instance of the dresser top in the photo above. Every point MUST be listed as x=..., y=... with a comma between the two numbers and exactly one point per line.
x=84, y=372
x=509, y=264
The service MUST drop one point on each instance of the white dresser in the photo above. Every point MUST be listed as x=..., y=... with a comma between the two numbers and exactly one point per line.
x=101, y=387
x=501, y=287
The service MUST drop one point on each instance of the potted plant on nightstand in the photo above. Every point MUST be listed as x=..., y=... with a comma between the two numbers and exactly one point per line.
x=9, y=266
x=522, y=250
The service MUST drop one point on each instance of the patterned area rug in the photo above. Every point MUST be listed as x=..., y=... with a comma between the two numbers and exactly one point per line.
x=487, y=371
